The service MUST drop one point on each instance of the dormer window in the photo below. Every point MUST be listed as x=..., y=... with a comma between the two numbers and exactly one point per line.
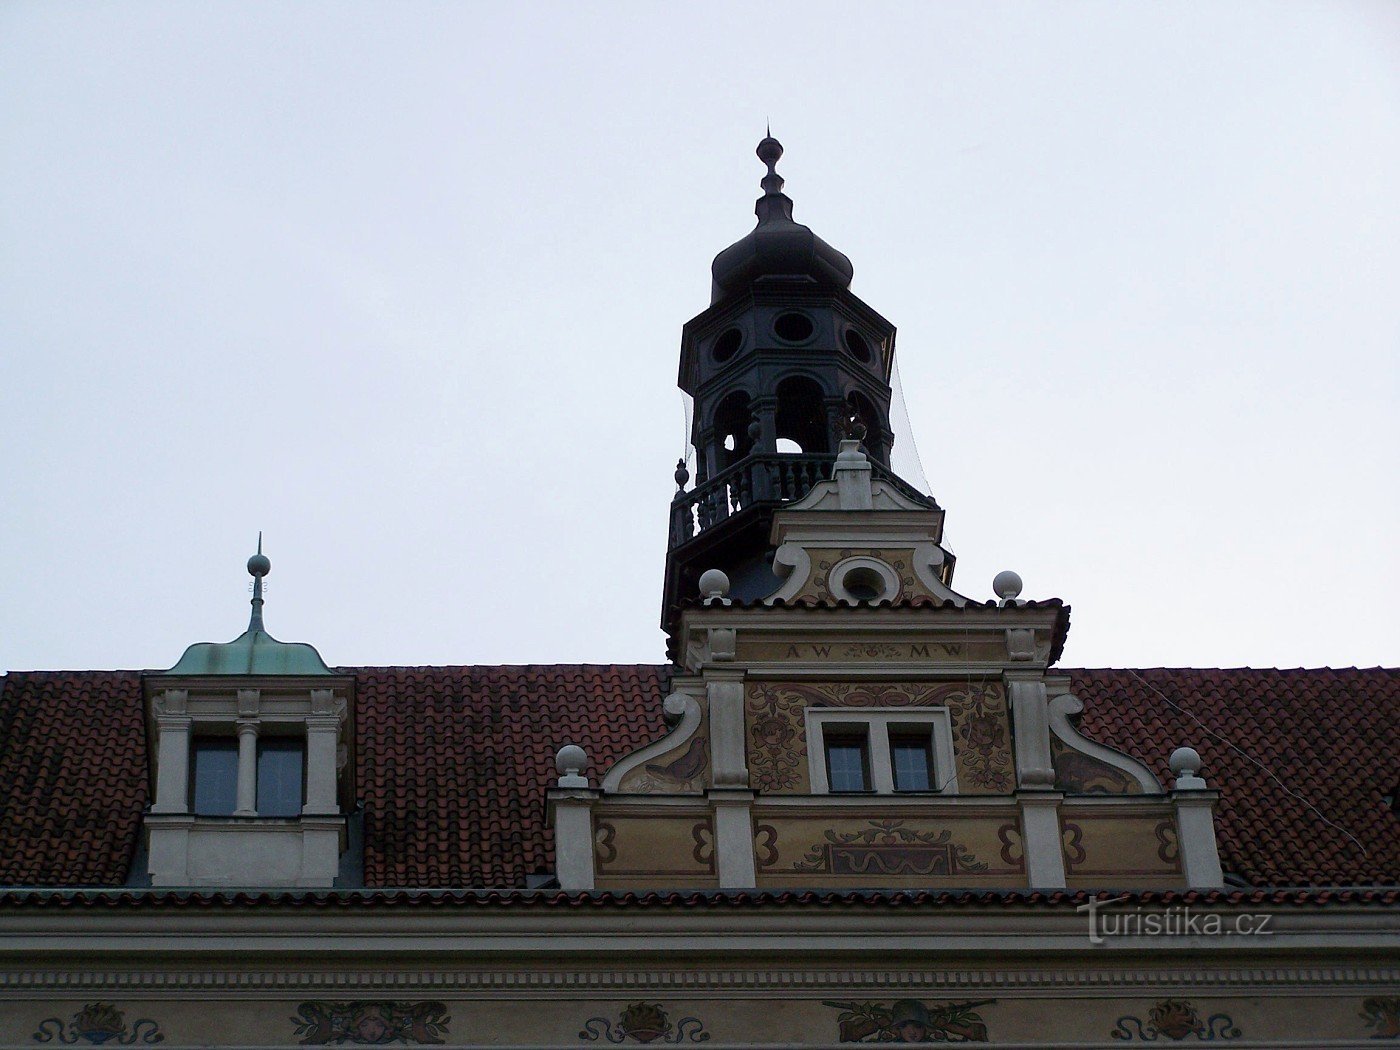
x=278, y=767
x=885, y=751
x=214, y=777
x=250, y=750
x=281, y=776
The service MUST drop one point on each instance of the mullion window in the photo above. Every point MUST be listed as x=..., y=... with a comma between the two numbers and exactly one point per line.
x=214, y=778
x=847, y=762
x=911, y=760
x=281, y=776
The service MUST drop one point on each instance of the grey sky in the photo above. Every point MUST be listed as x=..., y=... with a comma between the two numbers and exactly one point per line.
x=402, y=285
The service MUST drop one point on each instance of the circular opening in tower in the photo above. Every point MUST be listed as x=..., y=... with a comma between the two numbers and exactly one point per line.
x=863, y=579
x=856, y=344
x=793, y=327
x=864, y=584
x=727, y=345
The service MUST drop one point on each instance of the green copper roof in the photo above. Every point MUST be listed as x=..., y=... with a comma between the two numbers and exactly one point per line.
x=254, y=652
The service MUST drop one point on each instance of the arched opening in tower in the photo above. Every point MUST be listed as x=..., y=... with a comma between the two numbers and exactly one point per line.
x=877, y=440
x=801, y=416
x=731, y=429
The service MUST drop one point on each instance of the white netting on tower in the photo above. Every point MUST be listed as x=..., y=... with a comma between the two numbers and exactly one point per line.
x=904, y=458
x=688, y=416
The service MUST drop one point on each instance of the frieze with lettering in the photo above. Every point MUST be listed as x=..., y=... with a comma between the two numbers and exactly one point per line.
x=756, y=648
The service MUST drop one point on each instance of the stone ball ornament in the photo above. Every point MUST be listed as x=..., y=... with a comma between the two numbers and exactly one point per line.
x=1184, y=763
x=1007, y=585
x=1185, y=760
x=571, y=760
x=714, y=584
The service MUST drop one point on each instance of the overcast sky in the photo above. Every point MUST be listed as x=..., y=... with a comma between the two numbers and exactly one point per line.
x=402, y=286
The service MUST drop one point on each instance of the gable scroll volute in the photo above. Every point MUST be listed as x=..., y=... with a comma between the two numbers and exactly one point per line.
x=1084, y=766
x=678, y=763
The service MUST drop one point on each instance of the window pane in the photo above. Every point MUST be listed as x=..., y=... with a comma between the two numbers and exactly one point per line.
x=845, y=764
x=912, y=760
x=279, y=777
x=215, y=777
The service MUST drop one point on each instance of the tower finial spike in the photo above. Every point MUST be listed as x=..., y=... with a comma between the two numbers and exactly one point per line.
x=258, y=566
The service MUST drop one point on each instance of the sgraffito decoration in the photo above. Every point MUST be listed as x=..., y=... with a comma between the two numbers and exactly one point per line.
x=99, y=1023
x=644, y=1023
x=370, y=1023
x=1175, y=1019
x=778, y=738
x=683, y=769
x=1382, y=1014
x=887, y=847
x=910, y=1021
x=1081, y=774
x=824, y=560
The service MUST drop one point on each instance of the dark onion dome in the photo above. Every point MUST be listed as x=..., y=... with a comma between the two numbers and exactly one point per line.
x=777, y=246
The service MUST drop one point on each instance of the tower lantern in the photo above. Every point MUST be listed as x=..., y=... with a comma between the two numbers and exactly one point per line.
x=784, y=364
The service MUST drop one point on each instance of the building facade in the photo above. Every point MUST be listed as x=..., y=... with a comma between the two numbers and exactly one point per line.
x=854, y=805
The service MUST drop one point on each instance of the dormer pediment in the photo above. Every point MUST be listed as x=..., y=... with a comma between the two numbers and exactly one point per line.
x=855, y=539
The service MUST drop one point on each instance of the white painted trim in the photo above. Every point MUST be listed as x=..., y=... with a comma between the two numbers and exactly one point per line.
x=1195, y=832
x=876, y=722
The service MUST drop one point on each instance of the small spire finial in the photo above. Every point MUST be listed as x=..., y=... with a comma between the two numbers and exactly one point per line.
x=773, y=204
x=258, y=566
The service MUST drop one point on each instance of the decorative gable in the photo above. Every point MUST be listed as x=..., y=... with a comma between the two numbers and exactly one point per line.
x=867, y=726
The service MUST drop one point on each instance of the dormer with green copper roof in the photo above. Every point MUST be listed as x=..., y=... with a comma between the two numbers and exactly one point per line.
x=251, y=749
x=254, y=652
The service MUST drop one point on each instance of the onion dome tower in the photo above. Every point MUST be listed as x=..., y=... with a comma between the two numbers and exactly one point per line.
x=784, y=364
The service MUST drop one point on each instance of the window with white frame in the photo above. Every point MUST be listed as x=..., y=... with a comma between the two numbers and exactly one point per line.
x=885, y=751
x=278, y=768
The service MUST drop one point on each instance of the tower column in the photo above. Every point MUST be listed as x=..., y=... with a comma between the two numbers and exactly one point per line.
x=706, y=463
x=765, y=410
x=247, y=768
x=836, y=415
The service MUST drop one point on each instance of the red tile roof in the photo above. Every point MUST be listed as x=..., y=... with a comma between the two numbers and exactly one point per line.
x=452, y=763
x=1330, y=737
x=72, y=776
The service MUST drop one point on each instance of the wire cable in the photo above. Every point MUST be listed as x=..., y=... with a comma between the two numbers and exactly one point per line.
x=1250, y=759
